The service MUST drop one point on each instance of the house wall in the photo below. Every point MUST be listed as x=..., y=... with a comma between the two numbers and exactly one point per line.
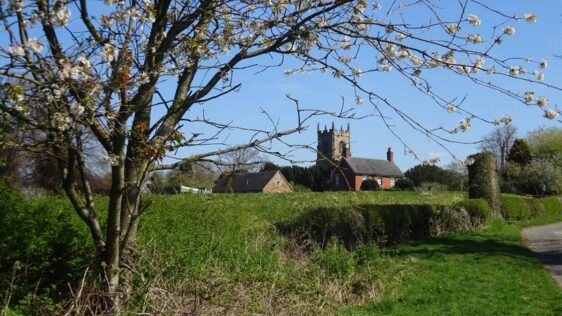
x=277, y=184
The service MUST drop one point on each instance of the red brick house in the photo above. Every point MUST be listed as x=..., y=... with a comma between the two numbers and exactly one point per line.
x=353, y=171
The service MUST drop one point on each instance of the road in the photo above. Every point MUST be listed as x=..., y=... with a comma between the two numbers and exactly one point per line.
x=546, y=242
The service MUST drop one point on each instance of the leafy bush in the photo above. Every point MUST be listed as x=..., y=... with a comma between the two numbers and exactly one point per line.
x=478, y=209
x=404, y=184
x=370, y=185
x=43, y=247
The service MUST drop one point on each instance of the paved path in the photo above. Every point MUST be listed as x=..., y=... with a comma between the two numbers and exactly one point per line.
x=546, y=242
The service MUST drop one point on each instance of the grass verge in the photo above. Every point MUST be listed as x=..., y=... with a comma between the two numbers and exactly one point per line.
x=488, y=271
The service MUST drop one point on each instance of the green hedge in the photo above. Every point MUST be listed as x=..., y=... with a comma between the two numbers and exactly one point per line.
x=521, y=208
x=478, y=209
x=363, y=224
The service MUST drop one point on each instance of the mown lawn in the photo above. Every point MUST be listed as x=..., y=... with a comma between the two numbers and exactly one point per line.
x=484, y=272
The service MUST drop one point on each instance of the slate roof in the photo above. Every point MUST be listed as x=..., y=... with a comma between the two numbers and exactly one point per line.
x=374, y=167
x=244, y=182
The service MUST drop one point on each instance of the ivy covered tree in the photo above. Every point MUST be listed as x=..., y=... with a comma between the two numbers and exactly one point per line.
x=69, y=72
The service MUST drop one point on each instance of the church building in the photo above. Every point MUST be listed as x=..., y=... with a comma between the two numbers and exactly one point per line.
x=334, y=151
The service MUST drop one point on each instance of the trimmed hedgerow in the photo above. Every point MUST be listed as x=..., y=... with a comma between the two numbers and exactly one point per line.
x=379, y=224
x=478, y=209
x=521, y=208
x=483, y=180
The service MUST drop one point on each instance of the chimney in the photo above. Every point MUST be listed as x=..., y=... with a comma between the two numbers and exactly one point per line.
x=390, y=155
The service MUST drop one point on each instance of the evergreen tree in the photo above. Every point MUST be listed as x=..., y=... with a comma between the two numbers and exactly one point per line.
x=520, y=153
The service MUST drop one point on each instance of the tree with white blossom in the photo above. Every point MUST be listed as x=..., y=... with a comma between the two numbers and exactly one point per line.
x=67, y=75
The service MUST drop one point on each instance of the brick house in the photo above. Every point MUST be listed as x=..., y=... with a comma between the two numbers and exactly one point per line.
x=353, y=171
x=266, y=181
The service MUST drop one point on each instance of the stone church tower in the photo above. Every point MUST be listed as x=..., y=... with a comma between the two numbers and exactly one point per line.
x=333, y=145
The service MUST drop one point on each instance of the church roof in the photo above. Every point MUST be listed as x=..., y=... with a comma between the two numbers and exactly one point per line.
x=244, y=182
x=373, y=167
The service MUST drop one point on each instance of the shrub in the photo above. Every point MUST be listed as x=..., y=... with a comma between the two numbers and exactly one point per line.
x=478, y=209
x=433, y=187
x=42, y=245
x=370, y=185
x=514, y=207
x=404, y=184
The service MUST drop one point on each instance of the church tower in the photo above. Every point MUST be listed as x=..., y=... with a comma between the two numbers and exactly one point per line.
x=333, y=145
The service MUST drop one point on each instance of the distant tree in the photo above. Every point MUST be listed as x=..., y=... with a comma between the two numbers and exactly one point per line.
x=370, y=185
x=520, y=152
x=546, y=144
x=427, y=173
x=541, y=178
x=499, y=142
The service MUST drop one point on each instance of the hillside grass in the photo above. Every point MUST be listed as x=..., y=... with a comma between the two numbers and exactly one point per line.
x=222, y=254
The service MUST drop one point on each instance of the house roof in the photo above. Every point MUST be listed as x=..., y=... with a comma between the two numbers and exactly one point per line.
x=374, y=167
x=244, y=182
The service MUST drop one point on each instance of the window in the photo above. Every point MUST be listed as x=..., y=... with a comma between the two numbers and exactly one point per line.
x=379, y=180
x=343, y=150
x=365, y=178
x=392, y=182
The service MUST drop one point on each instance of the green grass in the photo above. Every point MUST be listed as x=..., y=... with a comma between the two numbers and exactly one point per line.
x=484, y=272
x=222, y=253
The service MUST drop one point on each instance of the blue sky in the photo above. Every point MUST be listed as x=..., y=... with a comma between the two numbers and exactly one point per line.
x=369, y=137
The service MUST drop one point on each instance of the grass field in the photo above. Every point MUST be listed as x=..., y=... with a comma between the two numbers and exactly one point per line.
x=225, y=250
x=222, y=254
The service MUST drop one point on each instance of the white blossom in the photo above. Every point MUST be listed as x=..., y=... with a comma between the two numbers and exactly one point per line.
x=35, y=45
x=16, y=50
x=356, y=71
x=76, y=109
x=469, y=161
x=529, y=17
x=464, y=124
x=474, y=20
x=514, y=71
x=542, y=101
x=84, y=62
x=539, y=75
x=543, y=64
x=474, y=38
x=359, y=100
x=551, y=114
x=453, y=28
x=509, y=31
x=506, y=119
x=400, y=37
x=61, y=121
x=491, y=70
x=451, y=108
x=454, y=130
x=61, y=15
x=496, y=122
x=529, y=96
x=376, y=5
x=386, y=67
x=108, y=53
